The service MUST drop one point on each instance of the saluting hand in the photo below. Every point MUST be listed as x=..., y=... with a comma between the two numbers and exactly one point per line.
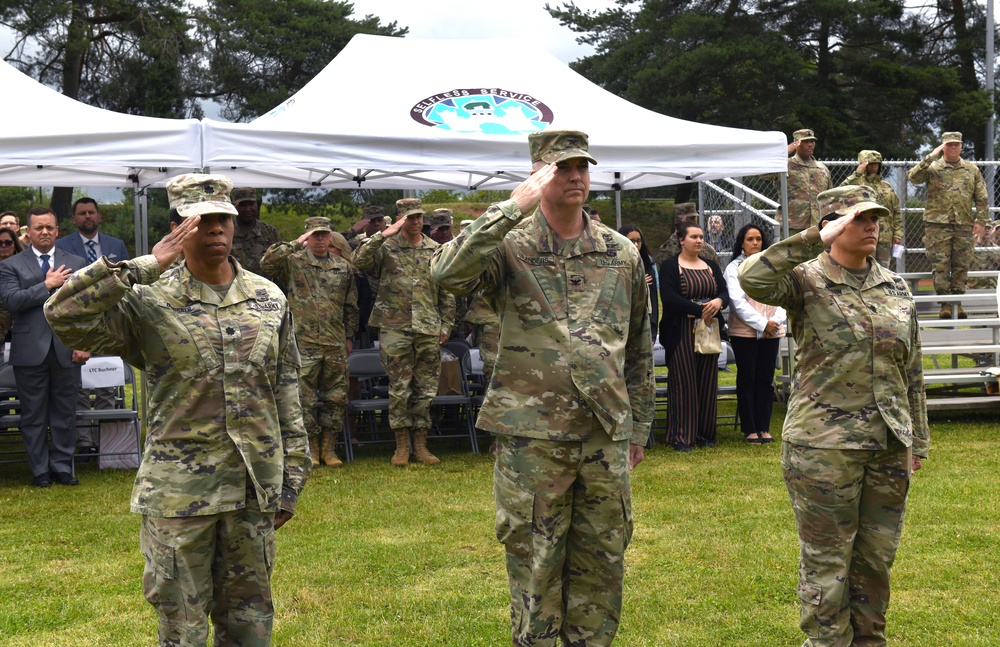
x=834, y=228
x=394, y=228
x=172, y=245
x=528, y=193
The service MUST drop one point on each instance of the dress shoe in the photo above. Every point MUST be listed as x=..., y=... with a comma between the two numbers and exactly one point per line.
x=42, y=480
x=65, y=479
x=754, y=438
x=681, y=447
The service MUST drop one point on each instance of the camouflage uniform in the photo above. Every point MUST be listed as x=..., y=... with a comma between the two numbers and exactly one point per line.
x=486, y=333
x=807, y=178
x=857, y=411
x=572, y=387
x=890, y=228
x=323, y=299
x=952, y=190
x=250, y=243
x=411, y=312
x=225, y=447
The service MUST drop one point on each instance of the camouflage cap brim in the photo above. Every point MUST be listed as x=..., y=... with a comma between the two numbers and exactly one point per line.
x=557, y=156
x=204, y=208
x=867, y=206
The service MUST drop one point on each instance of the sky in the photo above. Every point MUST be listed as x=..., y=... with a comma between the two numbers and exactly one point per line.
x=516, y=19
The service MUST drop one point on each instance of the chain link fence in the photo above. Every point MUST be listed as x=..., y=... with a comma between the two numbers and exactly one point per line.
x=753, y=199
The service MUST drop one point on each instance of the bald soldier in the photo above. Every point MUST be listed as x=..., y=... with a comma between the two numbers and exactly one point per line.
x=954, y=187
x=225, y=454
x=571, y=395
x=414, y=317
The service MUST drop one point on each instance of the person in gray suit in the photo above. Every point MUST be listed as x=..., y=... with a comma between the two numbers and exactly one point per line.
x=88, y=243
x=47, y=373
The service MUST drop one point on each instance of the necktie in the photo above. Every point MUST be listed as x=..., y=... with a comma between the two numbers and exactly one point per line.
x=45, y=263
x=91, y=253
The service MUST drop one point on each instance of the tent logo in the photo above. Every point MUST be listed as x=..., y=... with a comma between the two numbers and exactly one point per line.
x=487, y=111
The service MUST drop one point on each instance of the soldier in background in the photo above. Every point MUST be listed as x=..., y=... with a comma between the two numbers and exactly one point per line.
x=856, y=426
x=225, y=456
x=890, y=228
x=807, y=178
x=571, y=396
x=323, y=299
x=373, y=220
x=683, y=212
x=954, y=186
x=440, y=224
x=251, y=236
x=414, y=317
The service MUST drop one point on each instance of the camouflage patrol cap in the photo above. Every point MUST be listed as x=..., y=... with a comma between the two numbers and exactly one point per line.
x=551, y=146
x=244, y=194
x=197, y=194
x=318, y=223
x=845, y=200
x=804, y=135
x=869, y=157
x=409, y=207
x=440, y=218
x=685, y=210
x=951, y=137
x=372, y=212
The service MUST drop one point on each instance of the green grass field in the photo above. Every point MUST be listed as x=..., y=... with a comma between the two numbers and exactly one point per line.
x=384, y=556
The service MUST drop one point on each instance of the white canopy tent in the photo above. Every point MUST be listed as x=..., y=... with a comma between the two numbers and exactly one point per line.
x=48, y=139
x=418, y=114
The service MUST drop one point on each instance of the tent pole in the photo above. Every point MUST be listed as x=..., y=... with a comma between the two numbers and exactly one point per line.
x=618, y=200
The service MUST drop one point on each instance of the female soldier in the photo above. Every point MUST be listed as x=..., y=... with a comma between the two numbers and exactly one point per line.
x=856, y=425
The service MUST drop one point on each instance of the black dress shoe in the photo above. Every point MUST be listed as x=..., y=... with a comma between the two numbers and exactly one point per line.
x=65, y=479
x=681, y=447
x=42, y=480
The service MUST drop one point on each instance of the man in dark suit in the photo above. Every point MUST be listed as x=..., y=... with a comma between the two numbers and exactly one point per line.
x=89, y=244
x=47, y=373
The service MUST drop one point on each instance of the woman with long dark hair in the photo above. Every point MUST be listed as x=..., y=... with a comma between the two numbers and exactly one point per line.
x=755, y=330
x=652, y=279
x=691, y=288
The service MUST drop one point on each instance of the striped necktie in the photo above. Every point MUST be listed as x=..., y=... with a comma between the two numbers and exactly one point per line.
x=91, y=253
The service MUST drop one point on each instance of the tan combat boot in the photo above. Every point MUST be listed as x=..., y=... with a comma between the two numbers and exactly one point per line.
x=945, y=311
x=314, y=450
x=420, y=448
x=329, y=445
x=961, y=313
x=402, y=454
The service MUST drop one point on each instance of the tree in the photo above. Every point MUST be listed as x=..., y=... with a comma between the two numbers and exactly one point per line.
x=261, y=52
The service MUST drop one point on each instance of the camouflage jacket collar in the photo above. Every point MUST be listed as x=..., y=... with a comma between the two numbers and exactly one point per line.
x=242, y=289
x=835, y=273
x=426, y=242
x=590, y=240
x=799, y=161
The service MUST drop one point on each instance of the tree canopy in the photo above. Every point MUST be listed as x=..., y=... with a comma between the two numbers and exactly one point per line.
x=858, y=73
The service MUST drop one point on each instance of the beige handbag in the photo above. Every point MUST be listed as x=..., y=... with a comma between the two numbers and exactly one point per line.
x=707, y=340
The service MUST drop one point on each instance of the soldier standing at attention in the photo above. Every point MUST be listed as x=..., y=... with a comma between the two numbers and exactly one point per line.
x=225, y=456
x=890, y=228
x=324, y=303
x=856, y=426
x=251, y=236
x=414, y=317
x=807, y=178
x=571, y=395
x=953, y=187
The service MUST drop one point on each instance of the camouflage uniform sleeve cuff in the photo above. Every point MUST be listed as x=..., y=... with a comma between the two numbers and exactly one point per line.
x=145, y=269
x=510, y=210
x=640, y=433
x=289, y=498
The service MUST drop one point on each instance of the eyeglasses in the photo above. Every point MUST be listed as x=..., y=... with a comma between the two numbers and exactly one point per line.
x=6, y=243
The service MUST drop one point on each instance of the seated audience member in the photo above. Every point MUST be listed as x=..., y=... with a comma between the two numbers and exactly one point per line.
x=755, y=330
x=691, y=288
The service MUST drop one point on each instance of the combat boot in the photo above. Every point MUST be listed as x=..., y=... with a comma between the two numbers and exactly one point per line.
x=961, y=312
x=945, y=311
x=420, y=448
x=314, y=449
x=329, y=445
x=402, y=454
